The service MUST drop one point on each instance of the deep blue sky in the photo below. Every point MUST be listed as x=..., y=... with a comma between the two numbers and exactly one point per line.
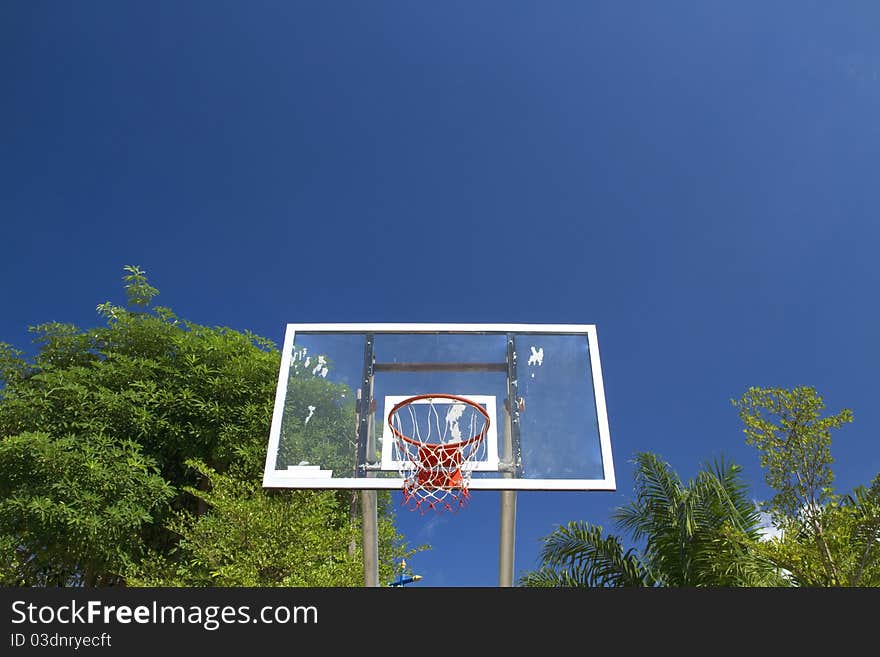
x=698, y=179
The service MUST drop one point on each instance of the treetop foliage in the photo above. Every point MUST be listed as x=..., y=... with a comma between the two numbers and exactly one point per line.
x=708, y=532
x=131, y=442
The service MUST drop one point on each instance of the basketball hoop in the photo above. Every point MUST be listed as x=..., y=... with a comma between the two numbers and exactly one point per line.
x=436, y=463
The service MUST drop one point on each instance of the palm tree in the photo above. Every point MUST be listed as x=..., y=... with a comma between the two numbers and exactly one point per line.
x=694, y=534
x=578, y=555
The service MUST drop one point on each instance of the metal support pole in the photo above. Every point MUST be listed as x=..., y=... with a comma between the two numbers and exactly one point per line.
x=370, y=513
x=508, y=534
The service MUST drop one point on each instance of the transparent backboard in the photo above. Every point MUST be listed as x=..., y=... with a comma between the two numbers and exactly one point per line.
x=339, y=382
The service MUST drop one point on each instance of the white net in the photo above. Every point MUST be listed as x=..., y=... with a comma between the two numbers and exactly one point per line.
x=438, y=441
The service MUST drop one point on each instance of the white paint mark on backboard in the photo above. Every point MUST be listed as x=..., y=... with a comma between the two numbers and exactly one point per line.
x=306, y=471
x=537, y=357
x=321, y=368
x=453, y=415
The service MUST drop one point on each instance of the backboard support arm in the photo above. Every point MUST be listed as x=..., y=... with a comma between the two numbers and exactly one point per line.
x=511, y=462
x=366, y=446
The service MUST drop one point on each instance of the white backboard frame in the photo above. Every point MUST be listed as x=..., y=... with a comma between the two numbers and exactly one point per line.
x=273, y=478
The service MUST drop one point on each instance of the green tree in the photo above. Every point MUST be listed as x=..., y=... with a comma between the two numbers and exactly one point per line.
x=73, y=508
x=694, y=534
x=290, y=538
x=121, y=443
x=825, y=539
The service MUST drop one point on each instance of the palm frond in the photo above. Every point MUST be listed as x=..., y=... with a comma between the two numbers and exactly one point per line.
x=578, y=555
x=658, y=491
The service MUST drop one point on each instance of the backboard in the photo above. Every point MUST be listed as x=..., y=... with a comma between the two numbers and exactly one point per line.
x=339, y=382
